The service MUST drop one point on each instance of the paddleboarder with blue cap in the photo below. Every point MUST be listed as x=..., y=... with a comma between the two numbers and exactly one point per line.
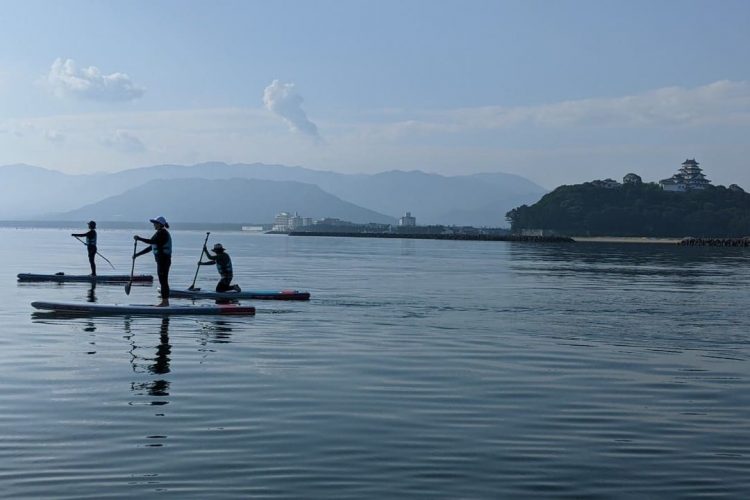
x=161, y=246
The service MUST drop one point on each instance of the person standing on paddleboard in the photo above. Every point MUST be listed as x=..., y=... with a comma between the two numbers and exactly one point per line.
x=90, y=243
x=161, y=246
x=223, y=265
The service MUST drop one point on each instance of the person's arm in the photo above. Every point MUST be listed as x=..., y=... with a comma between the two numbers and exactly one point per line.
x=79, y=235
x=142, y=252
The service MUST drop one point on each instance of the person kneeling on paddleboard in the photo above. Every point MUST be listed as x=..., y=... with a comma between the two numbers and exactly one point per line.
x=161, y=246
x=223, y=265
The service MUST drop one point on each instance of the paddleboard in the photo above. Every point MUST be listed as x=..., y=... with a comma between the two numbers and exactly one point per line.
x=244, y=294
x=99, y=278
x=93, y=309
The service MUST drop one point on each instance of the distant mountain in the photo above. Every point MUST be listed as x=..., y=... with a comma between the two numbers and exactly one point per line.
x=480, y=200
x=222, y=200
x=28, y=191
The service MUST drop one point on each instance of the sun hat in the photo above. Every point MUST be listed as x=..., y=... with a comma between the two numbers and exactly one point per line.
x=159, y=220
x=218, y=247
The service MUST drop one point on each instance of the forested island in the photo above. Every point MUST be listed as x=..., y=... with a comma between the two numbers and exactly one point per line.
x=636, y=209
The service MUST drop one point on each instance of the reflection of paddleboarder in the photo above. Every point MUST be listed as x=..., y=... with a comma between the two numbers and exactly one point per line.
x=161, y=246
x=158, y=366
x=90, y=243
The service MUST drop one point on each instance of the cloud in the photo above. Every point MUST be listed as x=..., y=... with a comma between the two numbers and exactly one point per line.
x=721, y=103
x=124, y=142
x=282, y=100
x=718, y=103
x=66, y=79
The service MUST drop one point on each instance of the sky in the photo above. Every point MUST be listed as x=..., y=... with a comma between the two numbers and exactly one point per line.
x=557, y=91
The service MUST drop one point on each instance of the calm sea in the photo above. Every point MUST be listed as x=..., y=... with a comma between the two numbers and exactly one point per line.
x=419, y=369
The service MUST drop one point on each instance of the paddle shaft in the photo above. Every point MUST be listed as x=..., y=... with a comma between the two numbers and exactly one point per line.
x=97, y=253
x=199, y=261
x=132, y=268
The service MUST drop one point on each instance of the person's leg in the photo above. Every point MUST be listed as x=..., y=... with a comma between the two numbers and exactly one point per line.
x=223, y=285
x=92, y=260
x=162, y=271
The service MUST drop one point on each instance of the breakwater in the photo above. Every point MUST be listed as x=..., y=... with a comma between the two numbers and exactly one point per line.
x=715, y=242
x=427, y=236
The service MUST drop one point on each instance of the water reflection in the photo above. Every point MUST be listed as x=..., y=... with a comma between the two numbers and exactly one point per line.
x=686, y=266
x=221, y=331
x=157, y=365
x=408, y=247
x=91, y=294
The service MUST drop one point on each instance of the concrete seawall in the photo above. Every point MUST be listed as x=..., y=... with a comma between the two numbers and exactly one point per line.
x=463, y=237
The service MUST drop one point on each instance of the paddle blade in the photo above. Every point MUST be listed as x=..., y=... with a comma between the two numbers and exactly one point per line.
x=127, y=287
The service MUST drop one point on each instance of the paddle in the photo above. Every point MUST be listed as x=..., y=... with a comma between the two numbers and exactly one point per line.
x=132, y=268
x=192, y=287
x=97, y=253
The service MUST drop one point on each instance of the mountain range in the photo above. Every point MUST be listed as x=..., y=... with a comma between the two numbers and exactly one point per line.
x=220, y=192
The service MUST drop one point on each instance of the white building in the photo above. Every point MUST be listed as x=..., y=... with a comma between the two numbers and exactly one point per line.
x=285, y=222
x=281, y=222
x=690, y=176
x=295, y=222
x=407, y=220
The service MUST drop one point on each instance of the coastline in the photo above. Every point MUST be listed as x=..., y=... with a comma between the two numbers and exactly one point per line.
x=626, y=239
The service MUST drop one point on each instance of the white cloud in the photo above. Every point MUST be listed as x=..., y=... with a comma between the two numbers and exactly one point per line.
x=66, y=79
x=719, y=103
x=282, y=100
x=593, y=138
x=124, y=142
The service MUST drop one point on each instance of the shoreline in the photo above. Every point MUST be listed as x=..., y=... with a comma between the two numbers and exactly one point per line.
x=626, y=239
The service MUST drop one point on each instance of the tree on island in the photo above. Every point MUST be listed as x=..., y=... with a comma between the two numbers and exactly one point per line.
x=637, y=209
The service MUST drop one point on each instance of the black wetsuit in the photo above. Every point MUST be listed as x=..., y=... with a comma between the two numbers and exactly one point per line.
x=224, y=266
x=161, y=246
x=91, y=246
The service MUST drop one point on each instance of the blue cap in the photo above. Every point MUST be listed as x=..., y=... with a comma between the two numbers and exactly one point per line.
x=159, y=220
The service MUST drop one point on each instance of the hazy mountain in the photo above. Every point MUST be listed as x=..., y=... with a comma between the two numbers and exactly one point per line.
x=481, y=199
x=222, y=200
x=27, y=191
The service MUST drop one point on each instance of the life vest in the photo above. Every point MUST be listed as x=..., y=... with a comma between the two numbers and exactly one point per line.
x=91, y=239
x=224, y=264
x=165, y=249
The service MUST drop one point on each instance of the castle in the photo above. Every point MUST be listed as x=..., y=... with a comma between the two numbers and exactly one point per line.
x=690, y=176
